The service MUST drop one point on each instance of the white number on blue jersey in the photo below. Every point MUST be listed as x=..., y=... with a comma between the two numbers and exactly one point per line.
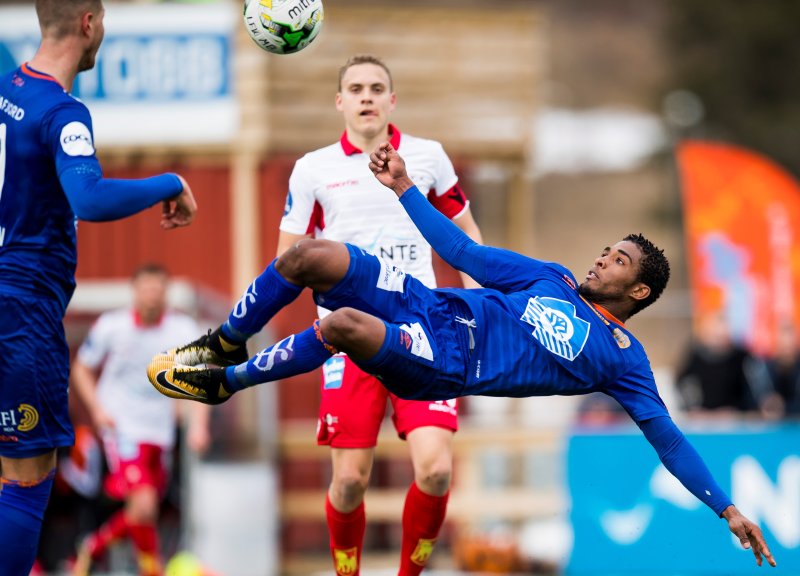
x=2, y=173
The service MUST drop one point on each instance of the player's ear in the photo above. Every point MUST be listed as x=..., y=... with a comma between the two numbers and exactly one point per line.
x=339, y=101
x=639, y=291
x=88, y=21
x=393, y=102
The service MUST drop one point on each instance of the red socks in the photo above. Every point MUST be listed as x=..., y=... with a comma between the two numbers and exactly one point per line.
x=347, y=535
x=114, y=529
x=145, y=540
x=423, y=516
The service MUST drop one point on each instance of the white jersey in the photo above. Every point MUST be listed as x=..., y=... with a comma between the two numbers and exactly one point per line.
x=123, y=347
x=334, y=195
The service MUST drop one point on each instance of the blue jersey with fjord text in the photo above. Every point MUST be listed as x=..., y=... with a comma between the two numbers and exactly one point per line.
x=43, y=133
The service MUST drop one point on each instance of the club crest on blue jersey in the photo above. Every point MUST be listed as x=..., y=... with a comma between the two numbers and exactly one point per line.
x=557, y=327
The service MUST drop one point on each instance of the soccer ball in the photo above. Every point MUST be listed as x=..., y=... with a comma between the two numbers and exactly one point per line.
x=283, y=26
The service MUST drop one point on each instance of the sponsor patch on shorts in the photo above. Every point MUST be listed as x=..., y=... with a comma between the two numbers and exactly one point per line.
x=333, y=373
x=420, y=345
x=390, y=277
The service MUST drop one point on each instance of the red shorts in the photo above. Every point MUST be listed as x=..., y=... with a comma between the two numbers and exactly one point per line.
x=353, y=406
x=134, y=466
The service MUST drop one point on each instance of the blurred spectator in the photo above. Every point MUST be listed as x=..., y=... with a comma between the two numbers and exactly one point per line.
x=778, y=377
x=713, y=379
x=784, y=369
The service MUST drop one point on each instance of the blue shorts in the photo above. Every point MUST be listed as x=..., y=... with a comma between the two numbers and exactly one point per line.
x=425, y=354
x=34, y=377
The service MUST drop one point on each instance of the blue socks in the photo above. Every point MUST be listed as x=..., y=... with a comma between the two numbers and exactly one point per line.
x=268, y=293
x=22, y=509
x=294, y=355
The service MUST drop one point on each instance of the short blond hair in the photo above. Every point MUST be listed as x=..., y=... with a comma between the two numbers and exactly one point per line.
x=364, y=59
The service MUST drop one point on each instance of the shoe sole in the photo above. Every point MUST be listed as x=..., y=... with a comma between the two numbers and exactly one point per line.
x=161, y=373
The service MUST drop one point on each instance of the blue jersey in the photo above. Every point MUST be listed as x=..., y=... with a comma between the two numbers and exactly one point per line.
x=532, y=334
x=49, y=177
x=536, y=336
x=43, y=131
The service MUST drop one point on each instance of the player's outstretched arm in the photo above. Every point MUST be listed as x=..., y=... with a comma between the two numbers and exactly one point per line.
x=180, y=210
x=748, y=534
x=683, y=462
x=97, y=199
x=488, y=266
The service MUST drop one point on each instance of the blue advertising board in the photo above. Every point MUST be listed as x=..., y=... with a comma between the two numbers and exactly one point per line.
x=630, y=516
x=162, y=75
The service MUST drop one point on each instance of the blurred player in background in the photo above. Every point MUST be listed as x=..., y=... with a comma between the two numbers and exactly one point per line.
x=532, y=330
x=333, y=195
x=49, y=176
x=136, y=423
x=714, y=379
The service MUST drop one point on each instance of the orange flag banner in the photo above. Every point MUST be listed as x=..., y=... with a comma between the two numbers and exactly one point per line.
x=742, y=223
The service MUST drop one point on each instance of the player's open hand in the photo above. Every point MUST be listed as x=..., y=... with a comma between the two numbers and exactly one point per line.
x=749, y=534
x=389, y=168
x=179, y=211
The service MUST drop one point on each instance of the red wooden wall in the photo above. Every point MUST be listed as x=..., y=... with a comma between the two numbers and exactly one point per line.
x=199, y=253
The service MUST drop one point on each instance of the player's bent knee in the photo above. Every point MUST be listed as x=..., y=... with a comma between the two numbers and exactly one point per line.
x=143, y=505
x=293, y=262
x=348, y=329
x=312, y=261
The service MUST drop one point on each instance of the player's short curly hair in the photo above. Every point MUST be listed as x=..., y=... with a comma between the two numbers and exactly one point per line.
x=364, y=59
x=653, y=269
x=58, y=17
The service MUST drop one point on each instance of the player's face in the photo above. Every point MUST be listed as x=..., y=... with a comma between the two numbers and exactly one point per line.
x=150, y=295
x=613, y=274
x=365, y=100
x=98, y=31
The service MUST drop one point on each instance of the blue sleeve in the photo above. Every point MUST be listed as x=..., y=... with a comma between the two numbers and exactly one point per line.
x=636, y=389
x=490, y=267
x=99, y=199
x=683, y=461
x=68, y=131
